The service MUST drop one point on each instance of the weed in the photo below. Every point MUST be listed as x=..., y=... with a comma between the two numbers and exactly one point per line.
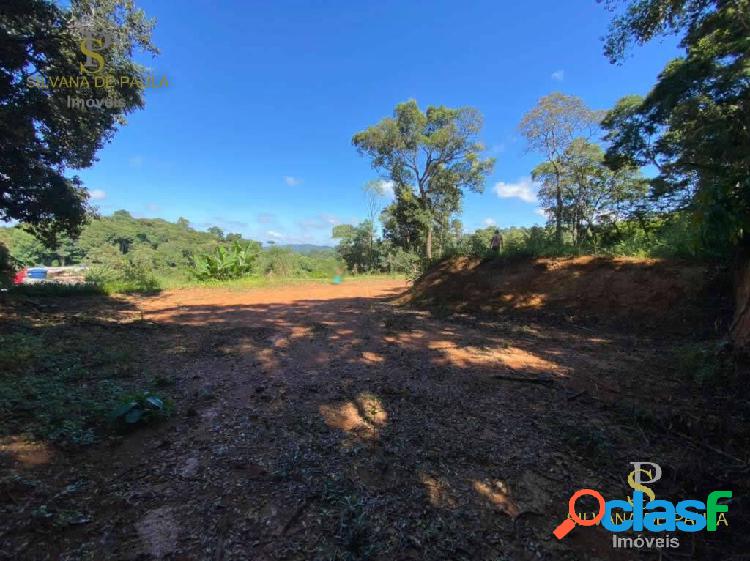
x=353, y=535
x=52, y=389
x=140, y=409
x=701, y=363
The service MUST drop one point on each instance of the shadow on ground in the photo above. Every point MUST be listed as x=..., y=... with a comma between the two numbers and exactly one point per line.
x=348, y=428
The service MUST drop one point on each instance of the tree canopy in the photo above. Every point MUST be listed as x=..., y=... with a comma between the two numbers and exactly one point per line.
x=694, y=125
x=42, y=64
x=550, y=128
x=436, y=154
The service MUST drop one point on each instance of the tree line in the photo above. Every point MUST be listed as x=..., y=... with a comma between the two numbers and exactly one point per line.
x=123, y=252
x=693, y=129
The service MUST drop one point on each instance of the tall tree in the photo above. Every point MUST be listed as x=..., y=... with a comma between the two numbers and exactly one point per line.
x=435, y=153
x=588, y=191
x=694, y=125
x=403, y=221
x=48, y=54
x=354, y=244
x=374, y=192
x=550, y=128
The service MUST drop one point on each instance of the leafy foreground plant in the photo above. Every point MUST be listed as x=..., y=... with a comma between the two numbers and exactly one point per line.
x=141, y=409
x=237, y=261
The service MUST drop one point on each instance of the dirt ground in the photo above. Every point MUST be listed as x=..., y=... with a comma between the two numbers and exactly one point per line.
x=322, y=422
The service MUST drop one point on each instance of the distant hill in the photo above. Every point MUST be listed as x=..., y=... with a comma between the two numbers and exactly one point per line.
x=304, y=248
x=155, y=244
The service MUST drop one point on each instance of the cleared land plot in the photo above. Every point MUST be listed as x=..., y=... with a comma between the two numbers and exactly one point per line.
x=323, y=422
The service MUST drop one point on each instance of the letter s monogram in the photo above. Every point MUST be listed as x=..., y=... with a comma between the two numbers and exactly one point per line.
x=91, y=54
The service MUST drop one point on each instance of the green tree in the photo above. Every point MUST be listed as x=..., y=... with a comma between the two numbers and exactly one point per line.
x=40, y=135
x=694, y=125
x=435, y=153
x=355, y=244
x=404, y=223
x=550, y=128
x=585, y=192
x=233, y=262
x=216, y=231
x=24, y=248
x=374, y=192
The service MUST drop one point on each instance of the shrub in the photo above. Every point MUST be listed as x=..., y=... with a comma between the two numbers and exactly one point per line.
x=127, y=276
x=279, y=261
x=236, y=261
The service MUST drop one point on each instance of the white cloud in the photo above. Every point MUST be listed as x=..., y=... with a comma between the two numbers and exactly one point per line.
x=387, y=187
x=292, y=181
x=97, y=195
x=153, y=207
x=523, y=189
x=489, y=222
x=558, y=75
x=274, y=234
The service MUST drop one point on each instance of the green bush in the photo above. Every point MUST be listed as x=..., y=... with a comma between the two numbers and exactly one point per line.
x=124, y=277
x=280, y=262
x=236, y=261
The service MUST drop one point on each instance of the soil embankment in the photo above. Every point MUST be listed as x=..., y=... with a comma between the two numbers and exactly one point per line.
x=631, y=293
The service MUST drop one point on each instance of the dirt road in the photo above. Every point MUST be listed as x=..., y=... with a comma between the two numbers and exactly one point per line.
x=322, y=422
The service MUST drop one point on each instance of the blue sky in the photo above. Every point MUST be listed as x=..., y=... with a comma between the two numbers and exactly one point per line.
x=253, y=133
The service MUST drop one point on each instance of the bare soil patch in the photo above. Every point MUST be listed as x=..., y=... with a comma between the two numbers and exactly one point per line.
x=324, y=422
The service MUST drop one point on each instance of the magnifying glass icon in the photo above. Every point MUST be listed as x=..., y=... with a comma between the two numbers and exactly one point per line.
x=569, y=523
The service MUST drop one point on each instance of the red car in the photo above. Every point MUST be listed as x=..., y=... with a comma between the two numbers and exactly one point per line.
x=19, y=276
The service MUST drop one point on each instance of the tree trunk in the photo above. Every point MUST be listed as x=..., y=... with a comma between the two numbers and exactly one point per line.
x=739, y=330
x=558, y=213
x=429, y=243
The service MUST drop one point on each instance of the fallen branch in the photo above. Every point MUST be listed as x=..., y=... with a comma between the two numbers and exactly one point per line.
x=296, y=516
x=542, y=381
x=704, y=445
x=576, y=395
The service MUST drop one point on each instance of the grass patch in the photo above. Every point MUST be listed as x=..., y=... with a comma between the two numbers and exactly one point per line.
x=703, y=364
x=60, y=386
x=176, y=282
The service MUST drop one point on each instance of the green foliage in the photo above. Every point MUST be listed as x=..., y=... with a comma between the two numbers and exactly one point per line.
x=41, y=135
x=583, y=193
x=693, y=124
x=139, y=409
x=125, y=277
x=238, y=260
x=47, y=391
x=433, y=154
x=552, y=128
x=356, y=245
x=126, y=254
x=663, y=236
x=363, y=252
x=24, y=249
